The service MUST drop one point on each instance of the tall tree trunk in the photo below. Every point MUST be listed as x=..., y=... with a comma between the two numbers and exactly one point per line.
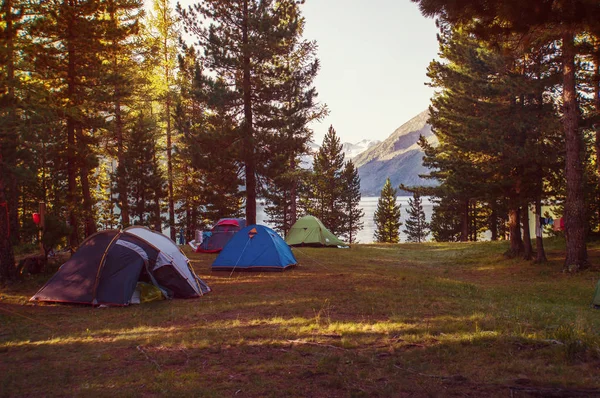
x=10, y=139
x=121, y=183
x=575, y=223
x=249, y=161
x=464, y=234
x=71, y=145
x=494, y=223
x=539, y=233
x=596, y=80
x=8, y=271
x=123, y=199
x=169, y=138
x=157, y=210
x=187, y=201
x=527, y=247
x=88, y=211
x=516, y=243
x=170, y=171
x=293, y=194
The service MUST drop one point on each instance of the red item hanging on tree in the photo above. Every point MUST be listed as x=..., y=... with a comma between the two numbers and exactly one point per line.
x=36, y=218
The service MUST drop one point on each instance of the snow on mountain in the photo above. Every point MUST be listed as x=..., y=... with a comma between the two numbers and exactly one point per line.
x=398, y=157
x=350, y=151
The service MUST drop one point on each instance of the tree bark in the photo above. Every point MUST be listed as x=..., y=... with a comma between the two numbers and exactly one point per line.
x=171, y=199
x=539, y=234
x=494, y=223
x=596, y=80
x=8, y=271
x=157, y=209
x=575, y=222
x=10, y=139
x=123, y=200
x=516, y=243
x=527, y=247
x=88, y=211
x=249, y=161
x=464, y=234
x=121, y=183
x=71, y=145
x=293, y=195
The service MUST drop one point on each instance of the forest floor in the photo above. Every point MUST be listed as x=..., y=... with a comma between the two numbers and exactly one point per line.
x=414, y=320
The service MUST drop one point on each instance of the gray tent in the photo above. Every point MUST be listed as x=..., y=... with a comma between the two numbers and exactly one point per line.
x=108, y=265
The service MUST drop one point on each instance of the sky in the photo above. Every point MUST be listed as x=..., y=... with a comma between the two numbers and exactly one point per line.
x=374, y=55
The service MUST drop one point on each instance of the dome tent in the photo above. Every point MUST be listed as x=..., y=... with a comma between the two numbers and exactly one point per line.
x=310, y=231
x=108, y=265
x=255, y=248
x=220, y=235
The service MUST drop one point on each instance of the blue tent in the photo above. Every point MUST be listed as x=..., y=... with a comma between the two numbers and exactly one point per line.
x=255, y=248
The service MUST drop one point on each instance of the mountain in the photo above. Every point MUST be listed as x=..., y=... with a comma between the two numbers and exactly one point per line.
x=353, y=150
x=350, y=151
x=398, y=157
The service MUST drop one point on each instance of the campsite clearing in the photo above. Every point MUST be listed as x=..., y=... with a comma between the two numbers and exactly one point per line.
x=374, y=320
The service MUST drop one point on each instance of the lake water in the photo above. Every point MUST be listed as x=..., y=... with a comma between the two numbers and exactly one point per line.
x=369, y=205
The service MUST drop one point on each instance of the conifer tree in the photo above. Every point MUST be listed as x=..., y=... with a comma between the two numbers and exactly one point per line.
x=417, y=227
x=144, y=177
x=164, y=25
x=189, y=117
x=560, y=22
x=107, y=218
x=387, y=216
x=243, y=41
x=281, y=191
x=446, y=219
x=350, y=201
x=122, y=81
x=490, y=129
x=205, y=124
x=288, y=132
x=70, y=38
x=12, y=53
x=7, y=258
x=328, y=184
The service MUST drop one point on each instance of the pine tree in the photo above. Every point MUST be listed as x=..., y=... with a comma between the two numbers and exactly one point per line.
x=122, y=81
x=144, y=177
x=350, y=200
x=492, y=130
x=107, y=218
x=281, y=191
x=387, y=216
x=417, y=227
x=243, y=42
x=205, y=125
x=328, y=184
x=288, y=132
x=164, y=25
x=189, y=117
x=560, y=22
x=446, y=220
x=70, y=38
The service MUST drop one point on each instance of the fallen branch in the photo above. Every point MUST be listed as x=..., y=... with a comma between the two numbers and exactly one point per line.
x=316, y=344
x=140, y=349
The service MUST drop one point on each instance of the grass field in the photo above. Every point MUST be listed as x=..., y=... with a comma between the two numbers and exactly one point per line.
x=376, y=320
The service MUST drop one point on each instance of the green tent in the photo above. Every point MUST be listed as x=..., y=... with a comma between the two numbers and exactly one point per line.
x=310, y=231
